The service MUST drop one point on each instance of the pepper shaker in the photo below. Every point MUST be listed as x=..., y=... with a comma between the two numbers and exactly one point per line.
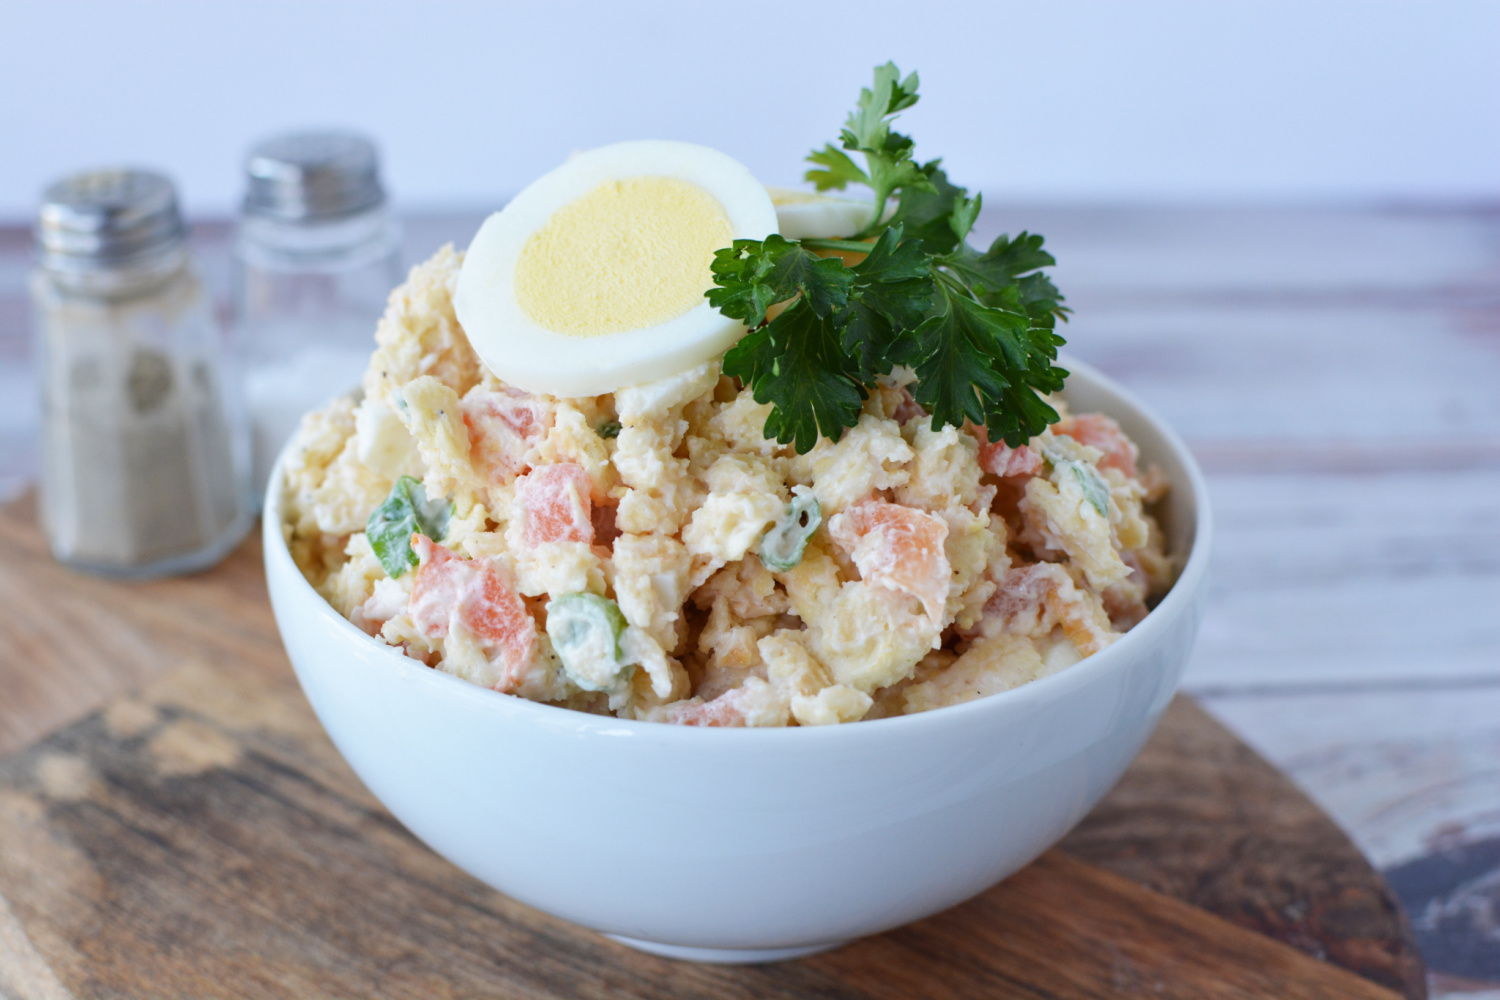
x=145, y=458
x=317, y=255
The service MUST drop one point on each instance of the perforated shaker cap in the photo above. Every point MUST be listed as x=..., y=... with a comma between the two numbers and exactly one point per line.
x=312, y=176
x=103, y=219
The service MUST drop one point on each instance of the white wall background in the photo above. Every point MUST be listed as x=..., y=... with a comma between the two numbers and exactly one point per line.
x=1157, y=99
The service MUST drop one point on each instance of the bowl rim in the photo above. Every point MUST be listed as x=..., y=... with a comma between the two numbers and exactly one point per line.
x=1084, y=673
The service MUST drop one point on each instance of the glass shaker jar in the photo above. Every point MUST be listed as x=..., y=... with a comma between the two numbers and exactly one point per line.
x=316, y=257
x=145, y=460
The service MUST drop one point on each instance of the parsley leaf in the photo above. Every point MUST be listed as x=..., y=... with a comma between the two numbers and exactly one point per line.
x=1043, y=300
x=867, y=127
x=965, y=213
x=892, y=294
x=955, y=379
x=797, y=363
x=753, y=276
x=867, y=337
x=838, y=170
x=405, y=512
x=926, y=212
x=977, y=329
x=985, y=364
x=890, y=260
x=1000, y=265
x=867, y=130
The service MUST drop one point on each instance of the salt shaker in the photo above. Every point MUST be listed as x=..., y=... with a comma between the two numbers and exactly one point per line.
x=145, y=458
x=316, y=257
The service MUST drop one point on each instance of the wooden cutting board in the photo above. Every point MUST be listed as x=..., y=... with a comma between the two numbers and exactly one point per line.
x=179, y=825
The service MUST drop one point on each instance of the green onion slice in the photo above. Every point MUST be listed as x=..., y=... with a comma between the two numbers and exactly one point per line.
x=782, y=546
x=585, y=631
x=1094, y=489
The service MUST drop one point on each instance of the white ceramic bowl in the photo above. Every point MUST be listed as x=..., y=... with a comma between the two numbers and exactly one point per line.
x=749, y=845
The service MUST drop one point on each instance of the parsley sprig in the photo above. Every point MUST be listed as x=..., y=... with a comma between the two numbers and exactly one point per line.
x=977, y=329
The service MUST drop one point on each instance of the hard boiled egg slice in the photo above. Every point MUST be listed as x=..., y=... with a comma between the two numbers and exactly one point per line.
x=802, y=215
x=593, y=277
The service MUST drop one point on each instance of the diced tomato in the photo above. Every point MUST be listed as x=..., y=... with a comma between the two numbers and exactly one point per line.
x=477, y=595
x=898, y=547
x=435, y=589
x=1000, y=459
x=723, y=711
x=494, y=612
x=1098, y=431
x=556, y=500
x=503, y=426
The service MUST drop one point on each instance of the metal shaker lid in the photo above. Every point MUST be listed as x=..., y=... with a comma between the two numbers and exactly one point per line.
x=103, y=219
x=312, y=176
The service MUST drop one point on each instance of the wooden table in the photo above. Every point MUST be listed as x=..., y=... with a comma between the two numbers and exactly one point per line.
x=197, y=834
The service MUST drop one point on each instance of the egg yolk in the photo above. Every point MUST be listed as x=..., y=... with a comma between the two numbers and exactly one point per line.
x=629, y=254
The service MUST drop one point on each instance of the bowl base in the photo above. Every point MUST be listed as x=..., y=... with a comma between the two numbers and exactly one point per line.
x=725, y=956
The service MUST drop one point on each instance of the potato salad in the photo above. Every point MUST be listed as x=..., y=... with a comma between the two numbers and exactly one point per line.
x=664, y=446
x=650, y=553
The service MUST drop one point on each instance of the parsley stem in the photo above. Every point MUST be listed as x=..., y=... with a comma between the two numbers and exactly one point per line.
x=845, y=246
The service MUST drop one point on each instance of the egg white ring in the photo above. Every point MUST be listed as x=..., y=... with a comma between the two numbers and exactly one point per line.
x=805, y=215
x=570, y=366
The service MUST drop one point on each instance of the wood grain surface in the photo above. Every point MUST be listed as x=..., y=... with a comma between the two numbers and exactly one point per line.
x=159, y=849
x=199, y=836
